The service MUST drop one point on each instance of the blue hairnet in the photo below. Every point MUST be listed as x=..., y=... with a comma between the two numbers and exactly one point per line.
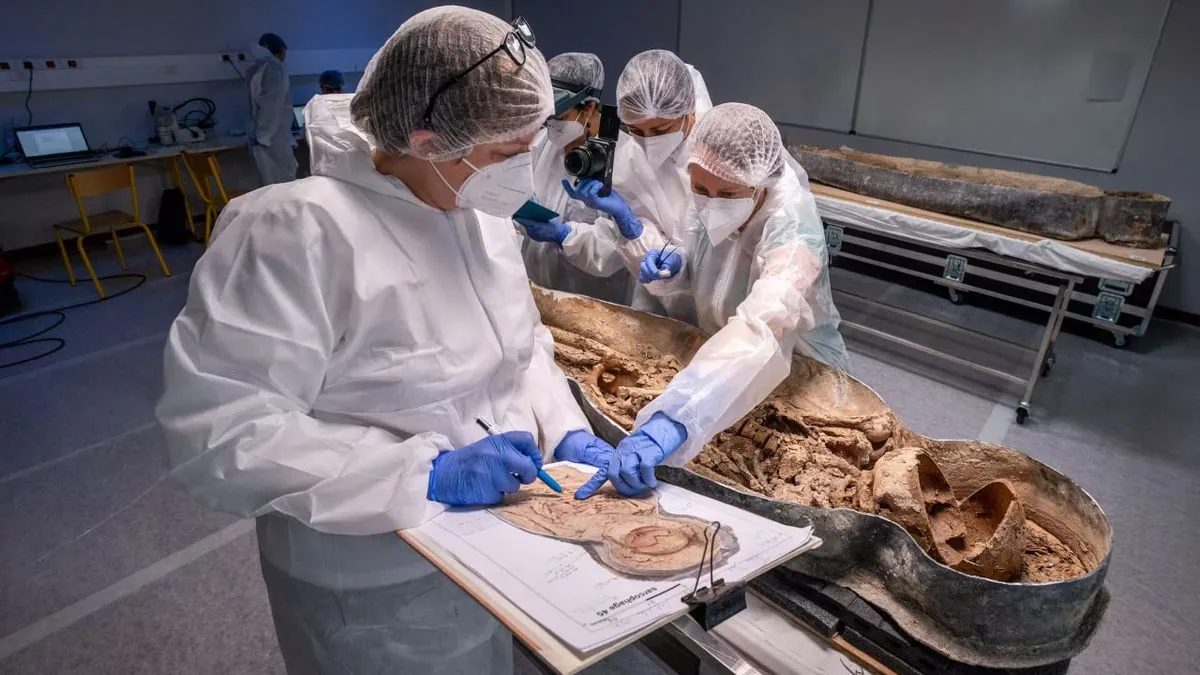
x=272, y=42
x=332, y=78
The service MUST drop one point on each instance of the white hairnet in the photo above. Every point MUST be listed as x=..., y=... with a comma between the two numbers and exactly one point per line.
x=738, y=143
x=655, y=83
x=496, y=102
x=578, y=68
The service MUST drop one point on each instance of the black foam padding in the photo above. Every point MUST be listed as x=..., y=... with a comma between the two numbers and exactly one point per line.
x=805, y=610
x=833, y=610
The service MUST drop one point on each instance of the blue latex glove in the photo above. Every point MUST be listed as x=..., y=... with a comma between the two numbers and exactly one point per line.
x=646, y=448
x=614, y=205
x=581, y=446
x=484, y=471
x=553, y=231
x=631, y=466
x=655, y=263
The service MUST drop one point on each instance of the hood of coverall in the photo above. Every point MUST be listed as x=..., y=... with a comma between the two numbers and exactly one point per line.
x=343, y=151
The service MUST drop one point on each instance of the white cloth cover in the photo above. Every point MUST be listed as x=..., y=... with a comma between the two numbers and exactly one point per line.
x=1058, y=255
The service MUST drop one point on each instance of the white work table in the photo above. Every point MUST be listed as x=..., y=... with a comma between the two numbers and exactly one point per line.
x=22, y=169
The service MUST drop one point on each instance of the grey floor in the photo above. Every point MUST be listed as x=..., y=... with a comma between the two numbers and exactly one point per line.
x=107, y=567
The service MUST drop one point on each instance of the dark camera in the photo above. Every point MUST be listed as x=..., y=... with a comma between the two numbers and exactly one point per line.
x=594, y=159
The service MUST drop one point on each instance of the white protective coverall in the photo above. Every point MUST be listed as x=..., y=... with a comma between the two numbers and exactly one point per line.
x=338, y=335
x=658, y=196
x=271, y=119
x=761, y=294
x=588, y=262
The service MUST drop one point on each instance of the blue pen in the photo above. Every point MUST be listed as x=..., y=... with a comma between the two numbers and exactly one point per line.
x=541, y=474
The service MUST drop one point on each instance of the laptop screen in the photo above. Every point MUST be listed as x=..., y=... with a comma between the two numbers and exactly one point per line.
x=298, y=113
x=46, y=141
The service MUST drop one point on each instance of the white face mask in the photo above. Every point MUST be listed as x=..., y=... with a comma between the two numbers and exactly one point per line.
x=560, y=133
x=659, y=148
x=722, y=217
x=497, y=189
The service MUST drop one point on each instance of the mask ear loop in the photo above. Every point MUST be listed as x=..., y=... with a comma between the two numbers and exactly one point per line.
x=446, y=182
x=585, y=125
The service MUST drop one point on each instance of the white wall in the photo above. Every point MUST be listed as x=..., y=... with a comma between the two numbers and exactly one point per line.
x=1162, y=154
x=76, y=29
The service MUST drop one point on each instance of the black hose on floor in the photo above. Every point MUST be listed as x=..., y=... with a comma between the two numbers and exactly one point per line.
x=59, y=315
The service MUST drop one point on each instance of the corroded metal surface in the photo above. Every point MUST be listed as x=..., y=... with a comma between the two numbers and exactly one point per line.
x=1048, y=207
x=969, y=619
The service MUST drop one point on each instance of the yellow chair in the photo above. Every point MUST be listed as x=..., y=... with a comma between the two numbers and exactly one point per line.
x=216, y=172
x=92, y=184
x=205, y=173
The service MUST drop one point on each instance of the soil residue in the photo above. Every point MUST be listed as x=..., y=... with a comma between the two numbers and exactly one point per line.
x=804, y=447
x=1047, y=559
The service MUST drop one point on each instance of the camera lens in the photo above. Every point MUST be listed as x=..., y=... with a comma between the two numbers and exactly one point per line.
x=578, y=161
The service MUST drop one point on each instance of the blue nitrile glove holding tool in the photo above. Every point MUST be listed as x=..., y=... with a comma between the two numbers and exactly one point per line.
x=486, y=470
x=551, y=231
x=629, y=466
x=660, y=264
x=614, y=205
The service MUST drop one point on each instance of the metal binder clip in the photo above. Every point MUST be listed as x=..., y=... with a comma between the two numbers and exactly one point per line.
x=713, y=604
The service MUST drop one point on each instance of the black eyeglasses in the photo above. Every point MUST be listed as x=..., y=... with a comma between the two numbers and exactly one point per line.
x=514, y=44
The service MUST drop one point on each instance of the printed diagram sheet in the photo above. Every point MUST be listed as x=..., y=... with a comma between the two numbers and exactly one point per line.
x=577, y=594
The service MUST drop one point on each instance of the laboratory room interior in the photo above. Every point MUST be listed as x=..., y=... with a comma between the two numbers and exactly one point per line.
x=521, y=336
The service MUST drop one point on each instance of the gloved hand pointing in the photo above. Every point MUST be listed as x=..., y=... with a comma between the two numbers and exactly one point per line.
x=614, y=205
x=645, y=449
x=553, y=231
x=630, y=467
x=584, y=448
x=659, y=264
x=484, y=471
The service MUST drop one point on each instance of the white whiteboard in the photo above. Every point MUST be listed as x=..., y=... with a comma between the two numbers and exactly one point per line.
x=1055, y=81
x=798, y=61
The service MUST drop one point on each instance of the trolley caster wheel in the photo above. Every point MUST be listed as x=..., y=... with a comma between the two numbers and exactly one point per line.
x=1048, y=364
x=1022, y=414
x=1121, y=341
x=955, y=296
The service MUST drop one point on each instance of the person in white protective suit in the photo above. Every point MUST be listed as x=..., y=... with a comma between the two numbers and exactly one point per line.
x=576, y=252
x=343, y=333
x=659, y=100
x=271, y=139
x=753, y=272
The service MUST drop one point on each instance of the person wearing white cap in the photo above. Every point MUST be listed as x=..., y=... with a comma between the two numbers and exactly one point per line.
x=660, y=99
x=345, y=330
x=753, y=272
x=576, y=252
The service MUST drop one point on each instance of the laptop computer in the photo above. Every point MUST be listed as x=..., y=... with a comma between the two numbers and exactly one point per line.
x=55, y=145
x=298, y=115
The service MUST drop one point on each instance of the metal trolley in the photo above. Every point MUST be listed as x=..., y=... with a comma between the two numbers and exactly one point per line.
x=1110, y=302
